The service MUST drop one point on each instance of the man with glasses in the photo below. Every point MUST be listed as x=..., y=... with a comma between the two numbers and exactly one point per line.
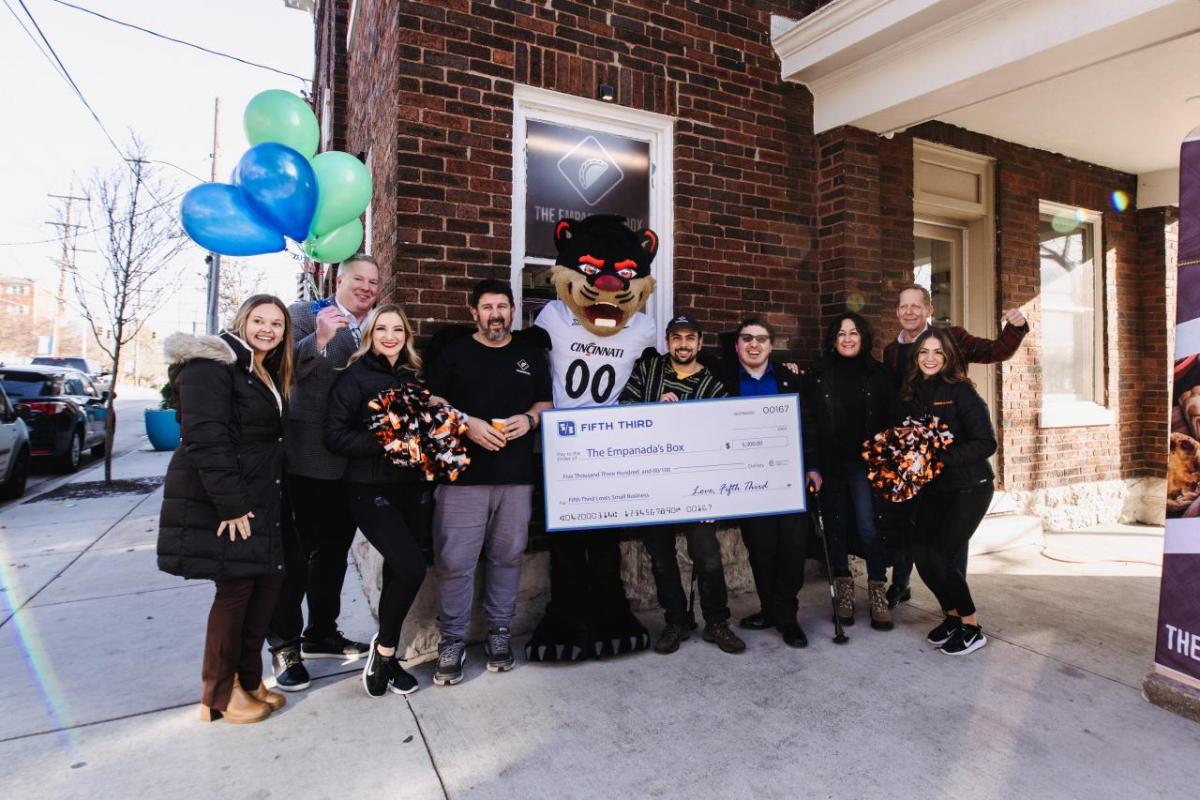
x=777, y=544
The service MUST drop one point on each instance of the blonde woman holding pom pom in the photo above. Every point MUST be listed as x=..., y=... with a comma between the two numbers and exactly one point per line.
x=385, y=499
x=953, y=504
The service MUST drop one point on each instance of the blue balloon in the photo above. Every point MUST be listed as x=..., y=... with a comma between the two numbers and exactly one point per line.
x=280, y=186
x=217, y=218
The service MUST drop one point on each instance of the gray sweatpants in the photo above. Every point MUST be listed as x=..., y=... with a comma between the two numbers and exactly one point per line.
x=468, y=520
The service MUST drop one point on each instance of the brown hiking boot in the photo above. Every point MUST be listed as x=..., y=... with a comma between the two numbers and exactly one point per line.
x=723, y=636
x=668, y=641
x=844, y=591
x=881, y=615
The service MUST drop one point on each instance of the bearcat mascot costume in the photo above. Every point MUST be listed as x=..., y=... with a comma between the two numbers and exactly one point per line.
x=597, y=331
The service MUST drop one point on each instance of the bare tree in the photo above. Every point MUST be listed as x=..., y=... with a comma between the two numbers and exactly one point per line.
x=137, y=236
x=238, y=283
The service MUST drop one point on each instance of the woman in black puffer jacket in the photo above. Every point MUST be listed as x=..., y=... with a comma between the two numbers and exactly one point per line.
x=385, y=499
x=223, y=514
x=952, y=505
x=853, y=397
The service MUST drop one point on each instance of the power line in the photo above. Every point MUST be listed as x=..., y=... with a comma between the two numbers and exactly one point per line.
x=182, y=42
x=29, y=33
x=66, y=74
x=155, y=207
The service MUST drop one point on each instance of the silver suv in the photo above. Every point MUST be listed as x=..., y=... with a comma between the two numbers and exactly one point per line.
x=14, y=450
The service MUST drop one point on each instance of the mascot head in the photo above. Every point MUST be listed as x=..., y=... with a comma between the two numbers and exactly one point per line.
x=603, y=270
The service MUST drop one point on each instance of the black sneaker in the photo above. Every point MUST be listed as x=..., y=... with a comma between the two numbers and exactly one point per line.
x=335, y=646
x=943, y=632
x=402, y=682
x=290, y=672
x=965, y=639
x=755, y=622
x=723, y=636
x=451, y=657
x=377, y=672
x=896, y=595
x=499, y=650
x=668, y=641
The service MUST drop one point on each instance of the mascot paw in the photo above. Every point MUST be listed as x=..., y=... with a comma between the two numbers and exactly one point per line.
x=558, y=640
x=618, y=635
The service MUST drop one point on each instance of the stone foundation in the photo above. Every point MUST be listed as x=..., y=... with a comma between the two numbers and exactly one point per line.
x=1081, y=505
x=1174, y=696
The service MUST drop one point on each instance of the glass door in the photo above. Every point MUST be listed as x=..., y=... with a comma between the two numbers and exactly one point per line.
x=938, y=266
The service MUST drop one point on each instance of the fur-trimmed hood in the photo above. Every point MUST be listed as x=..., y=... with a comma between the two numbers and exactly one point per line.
x=180, y=348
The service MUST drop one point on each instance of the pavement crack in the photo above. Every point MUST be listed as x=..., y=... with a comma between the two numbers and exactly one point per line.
x=428, y=750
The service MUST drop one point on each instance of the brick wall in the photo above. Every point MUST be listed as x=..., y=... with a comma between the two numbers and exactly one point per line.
x=431, y=87
x=866, y=247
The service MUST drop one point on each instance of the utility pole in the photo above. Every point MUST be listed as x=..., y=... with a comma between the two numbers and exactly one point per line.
x=214, y=259
x=66, y=261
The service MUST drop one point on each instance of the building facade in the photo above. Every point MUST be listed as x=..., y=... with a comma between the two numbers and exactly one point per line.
x=799, y=158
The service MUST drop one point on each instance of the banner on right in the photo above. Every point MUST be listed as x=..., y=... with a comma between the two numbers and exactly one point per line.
x=1178, y=646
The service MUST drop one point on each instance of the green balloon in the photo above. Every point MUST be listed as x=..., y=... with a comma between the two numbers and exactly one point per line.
x=343, y=191
x=337, y=245
x=282, y=117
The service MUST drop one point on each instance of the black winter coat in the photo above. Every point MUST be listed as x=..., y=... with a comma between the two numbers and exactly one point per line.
x=229, y=462
x=347, y=420
x=965, y=461
x=879, y=408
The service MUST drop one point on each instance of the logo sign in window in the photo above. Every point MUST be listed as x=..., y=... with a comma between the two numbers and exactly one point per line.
x=575, y=173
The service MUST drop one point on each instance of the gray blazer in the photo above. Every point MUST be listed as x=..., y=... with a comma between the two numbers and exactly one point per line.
x=315, y=373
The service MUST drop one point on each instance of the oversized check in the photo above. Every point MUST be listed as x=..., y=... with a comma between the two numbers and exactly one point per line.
x=658, y=463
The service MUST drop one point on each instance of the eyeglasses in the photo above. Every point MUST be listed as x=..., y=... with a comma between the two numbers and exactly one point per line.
x=761, y=338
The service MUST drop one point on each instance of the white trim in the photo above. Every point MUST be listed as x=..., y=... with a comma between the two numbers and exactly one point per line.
x=367, y=238
x=1065, y=412
x=885, y=65
x=657, y=129
x=1074, y=414
x=352, y=17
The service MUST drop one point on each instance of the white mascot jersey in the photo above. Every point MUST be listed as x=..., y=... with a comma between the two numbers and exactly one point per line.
x=591, y=370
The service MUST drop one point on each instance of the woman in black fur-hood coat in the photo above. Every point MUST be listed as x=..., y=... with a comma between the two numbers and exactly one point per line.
x=229, y=462
x=224, y=515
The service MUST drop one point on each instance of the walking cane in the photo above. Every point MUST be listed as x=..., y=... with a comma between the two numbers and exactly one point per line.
x=839, y=635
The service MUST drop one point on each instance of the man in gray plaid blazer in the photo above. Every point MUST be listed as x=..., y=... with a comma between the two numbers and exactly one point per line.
x=325, y=340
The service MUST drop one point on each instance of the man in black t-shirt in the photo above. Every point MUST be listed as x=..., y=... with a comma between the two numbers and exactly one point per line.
x=502, y=384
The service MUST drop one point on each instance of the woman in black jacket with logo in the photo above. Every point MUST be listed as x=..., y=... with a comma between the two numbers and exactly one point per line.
x=384, y=498
x=953, y=504
x=853, y=396
x=223, y=514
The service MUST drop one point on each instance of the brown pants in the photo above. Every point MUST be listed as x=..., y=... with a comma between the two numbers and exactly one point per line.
x=237, y=628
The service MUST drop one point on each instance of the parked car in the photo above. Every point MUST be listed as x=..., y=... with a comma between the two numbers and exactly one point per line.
x=102, y=380
x=14, y=451
x=62, y=408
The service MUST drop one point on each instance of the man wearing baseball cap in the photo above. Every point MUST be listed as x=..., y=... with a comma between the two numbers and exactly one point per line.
x=675, y=377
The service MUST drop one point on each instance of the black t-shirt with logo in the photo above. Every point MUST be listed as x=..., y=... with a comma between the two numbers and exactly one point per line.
x=493, y=383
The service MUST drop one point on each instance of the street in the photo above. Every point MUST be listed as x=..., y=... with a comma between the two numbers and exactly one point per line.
x=130, y=435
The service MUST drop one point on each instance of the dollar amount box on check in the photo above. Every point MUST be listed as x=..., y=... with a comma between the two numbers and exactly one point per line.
x=661, y=463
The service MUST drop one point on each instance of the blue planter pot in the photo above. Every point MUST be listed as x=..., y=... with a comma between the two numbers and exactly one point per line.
x=162, y=428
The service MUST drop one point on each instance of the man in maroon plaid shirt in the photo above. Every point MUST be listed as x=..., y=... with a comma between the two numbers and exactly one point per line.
x=914, y=309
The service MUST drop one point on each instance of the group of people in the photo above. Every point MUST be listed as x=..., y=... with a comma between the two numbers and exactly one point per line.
x=278, y=467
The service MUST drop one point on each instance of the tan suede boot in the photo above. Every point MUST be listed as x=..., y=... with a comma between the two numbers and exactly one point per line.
x=242, y=709
x=264, y=695
x=844, y=591
x=881, y=615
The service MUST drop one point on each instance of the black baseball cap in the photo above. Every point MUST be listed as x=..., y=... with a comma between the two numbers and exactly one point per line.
x=683, y=321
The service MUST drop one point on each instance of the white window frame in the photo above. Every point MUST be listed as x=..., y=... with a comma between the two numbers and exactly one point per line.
x=1060, y=412
x=656, y=129
x=326, y=118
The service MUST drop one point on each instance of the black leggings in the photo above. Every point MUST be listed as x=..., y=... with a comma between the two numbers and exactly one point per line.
x=386, y=514
x=946, y=520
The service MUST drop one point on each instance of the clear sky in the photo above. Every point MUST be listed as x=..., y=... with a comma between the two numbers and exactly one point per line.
x=162, y=91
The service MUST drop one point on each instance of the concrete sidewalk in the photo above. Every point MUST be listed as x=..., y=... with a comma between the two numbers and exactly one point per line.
x=100, y=659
